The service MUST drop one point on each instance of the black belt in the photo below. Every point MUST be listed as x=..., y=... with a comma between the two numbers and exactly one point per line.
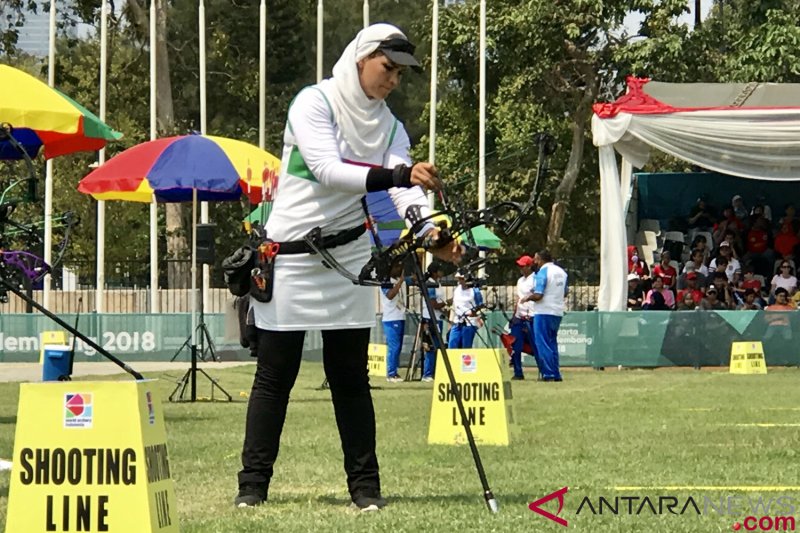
x=331, y=241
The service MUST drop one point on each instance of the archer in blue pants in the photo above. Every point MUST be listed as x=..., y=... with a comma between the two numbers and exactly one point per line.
x=429, y=366
x=545, y=333
x=393, y=330
x=522, y=331
x=462, y=336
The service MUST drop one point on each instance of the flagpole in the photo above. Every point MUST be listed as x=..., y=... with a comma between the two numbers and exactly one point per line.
x=482, y=112
x=319, y=40
x=432, y=105
x=434, y=87
x=48, y=179
x=155, y=304
x=482, y=120
x=262, y=73
x=99, y=303
x=203, y=130
x=366, y=13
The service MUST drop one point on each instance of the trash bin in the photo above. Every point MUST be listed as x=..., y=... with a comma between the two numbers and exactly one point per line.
x=56, y=362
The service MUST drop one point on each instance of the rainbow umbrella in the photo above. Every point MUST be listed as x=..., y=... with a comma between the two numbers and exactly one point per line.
x=170, y=169
x=188, y=168
x=39, y=115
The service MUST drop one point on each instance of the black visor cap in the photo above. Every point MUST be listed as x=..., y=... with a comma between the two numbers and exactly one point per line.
x=400, y=51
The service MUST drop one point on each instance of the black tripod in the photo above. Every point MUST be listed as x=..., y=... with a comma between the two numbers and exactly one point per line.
x=417, y=358
x=189, y=379
x=206, y=343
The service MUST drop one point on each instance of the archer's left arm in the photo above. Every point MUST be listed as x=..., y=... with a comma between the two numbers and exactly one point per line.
x=397, y=154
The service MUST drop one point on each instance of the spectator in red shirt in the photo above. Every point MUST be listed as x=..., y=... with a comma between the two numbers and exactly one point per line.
x=750, y=281
x=786, y=240
x=691, y=288
x=759, y=247
x=728, y=222
x=686, y=302
x=665, y=271
x=636, y=265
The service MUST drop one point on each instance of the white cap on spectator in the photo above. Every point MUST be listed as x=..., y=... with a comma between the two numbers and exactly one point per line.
x=736, y=197
x=632, y=277
x=724, y=243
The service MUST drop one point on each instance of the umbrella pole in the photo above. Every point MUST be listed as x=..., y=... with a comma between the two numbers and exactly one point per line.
x=194, y=296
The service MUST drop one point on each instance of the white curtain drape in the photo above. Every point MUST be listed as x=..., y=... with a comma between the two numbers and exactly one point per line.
x=751, y=143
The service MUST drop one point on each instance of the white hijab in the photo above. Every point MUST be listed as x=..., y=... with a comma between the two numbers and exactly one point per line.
x=365, y=124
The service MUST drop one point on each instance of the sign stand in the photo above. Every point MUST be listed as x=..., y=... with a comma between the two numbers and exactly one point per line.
x=91, y=456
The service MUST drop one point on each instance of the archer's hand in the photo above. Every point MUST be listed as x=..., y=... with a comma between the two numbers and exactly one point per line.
x=426, y=176
x=450, y=252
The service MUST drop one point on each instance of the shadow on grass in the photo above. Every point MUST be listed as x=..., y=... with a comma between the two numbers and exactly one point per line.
x=187, y=417
x=503, y=499
x=8, y=419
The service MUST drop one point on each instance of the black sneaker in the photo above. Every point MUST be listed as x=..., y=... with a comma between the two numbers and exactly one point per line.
x=367, y=504
x=250, y=497
x=518, y=378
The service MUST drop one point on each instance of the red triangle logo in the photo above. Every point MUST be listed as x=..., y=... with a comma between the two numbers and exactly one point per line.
x=534, y=506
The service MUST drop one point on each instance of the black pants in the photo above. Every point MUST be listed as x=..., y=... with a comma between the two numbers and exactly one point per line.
x=345, y=359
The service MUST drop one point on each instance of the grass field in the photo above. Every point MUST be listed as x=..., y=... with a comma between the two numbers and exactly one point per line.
x=594, y=433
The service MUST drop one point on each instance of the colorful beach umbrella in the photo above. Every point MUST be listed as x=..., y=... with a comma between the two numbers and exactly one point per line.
x=39, y=115
x=169, y=169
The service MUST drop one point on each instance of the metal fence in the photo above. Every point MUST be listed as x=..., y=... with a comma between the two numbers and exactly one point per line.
x=127, y=287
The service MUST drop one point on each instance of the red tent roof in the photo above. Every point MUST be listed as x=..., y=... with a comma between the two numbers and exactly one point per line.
x=644, y=96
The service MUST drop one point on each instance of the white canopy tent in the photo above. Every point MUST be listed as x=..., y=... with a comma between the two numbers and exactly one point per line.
x=750, y=130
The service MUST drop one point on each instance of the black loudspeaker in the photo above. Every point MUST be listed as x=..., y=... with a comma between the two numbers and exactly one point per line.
x=205, y=244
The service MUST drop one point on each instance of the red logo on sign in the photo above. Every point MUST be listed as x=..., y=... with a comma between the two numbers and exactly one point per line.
x=534, y=506
x=467, y=360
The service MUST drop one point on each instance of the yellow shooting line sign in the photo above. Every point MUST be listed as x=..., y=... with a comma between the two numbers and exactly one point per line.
x=486, y=395
x=91, y=456
x=376, y=360
x=747, y=358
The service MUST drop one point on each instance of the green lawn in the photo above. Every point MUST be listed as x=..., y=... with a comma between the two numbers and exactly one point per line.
x=593, y=432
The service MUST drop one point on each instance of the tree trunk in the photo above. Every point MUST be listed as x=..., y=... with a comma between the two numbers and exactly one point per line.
x=564, y=191
x=178, y=273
